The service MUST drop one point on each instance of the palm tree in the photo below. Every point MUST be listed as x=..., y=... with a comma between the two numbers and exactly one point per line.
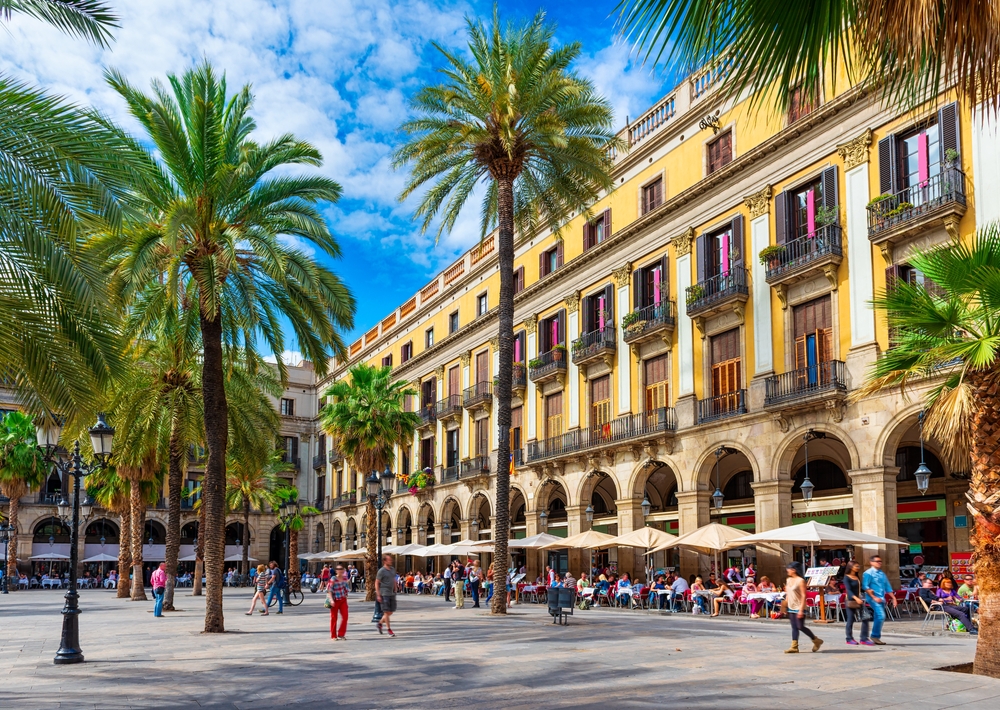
x=365, y=418
x=111, y=492
x=22, y=468
x=227, y=216
x=293, y=524
x=519, y=119
x=950, y=334
x=906, y=49
x=253, y=483
x=67, y=171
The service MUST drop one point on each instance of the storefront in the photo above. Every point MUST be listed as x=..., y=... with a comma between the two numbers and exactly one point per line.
x=923, y=522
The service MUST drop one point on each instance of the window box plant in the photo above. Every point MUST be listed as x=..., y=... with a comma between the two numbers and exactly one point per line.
x=694, y=294
x=770, y=256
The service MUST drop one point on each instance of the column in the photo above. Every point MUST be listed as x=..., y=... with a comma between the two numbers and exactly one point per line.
x=573, y=372
x=875, y=514
x=464, y=436
x=985, y=166
x=624, y=353
x=630, y=559
x=772, y=509
x=578, y=560
x=760, y=237
x=529, y=398
x=685, y=347
x=495, y=428
x=692, y=513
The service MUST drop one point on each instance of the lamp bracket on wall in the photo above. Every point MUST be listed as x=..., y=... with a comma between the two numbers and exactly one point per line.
x=710, y=121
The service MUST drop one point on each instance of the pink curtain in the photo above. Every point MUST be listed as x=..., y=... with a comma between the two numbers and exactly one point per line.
x=555, y=331
x=811, y=213
x=517, y=350
x=923, y=169
x=656, y=285
x=724, y=266
x=600, y=313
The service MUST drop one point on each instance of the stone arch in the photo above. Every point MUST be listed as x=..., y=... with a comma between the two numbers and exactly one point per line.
x=481, y=511
x=319, y=539
x=518, y=510
x=189, y=532
x=50, y=527
x=154, y=529
x=599, y=489
x=899, y=430
x=451, y=515
x=739, y=458
x=336, y=535
x=404, y=523
x=235, y=531
x=351, y=535
x=789, y=446
x=427, y=520
x=553, y=497
x=658, y=483
x=102, y=528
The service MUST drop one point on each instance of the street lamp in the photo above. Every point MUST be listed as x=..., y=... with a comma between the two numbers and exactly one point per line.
x=379, y=492
x=922, y=474
x=287, y=512
x=5, y=530
x=543, y=518
x=101, y=438
x=589, y=513
x=718, y=498
x=645, y=505
x=475, y=529
x=400, y=540
x=807, y=486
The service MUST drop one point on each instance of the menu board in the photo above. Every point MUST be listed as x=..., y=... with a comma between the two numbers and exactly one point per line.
x=819, y=576
x=961, y=563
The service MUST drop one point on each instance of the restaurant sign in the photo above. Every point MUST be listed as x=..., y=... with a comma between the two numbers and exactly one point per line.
x=961, y=563
x=921, y=509
x=826, y=517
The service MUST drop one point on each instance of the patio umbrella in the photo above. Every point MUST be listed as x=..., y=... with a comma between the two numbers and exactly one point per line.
x=410, y=549
x=645, y=538
x=590, y=540
x=534, y=542
x=813, y=533
x=103, y=557
x=348, y=555
x=187, y=558
x=51, y=556
x=711, y=538
x=239, y=558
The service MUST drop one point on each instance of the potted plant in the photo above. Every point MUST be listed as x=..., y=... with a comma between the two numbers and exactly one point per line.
x=951, y=157
x=770, y=256
x=694, y=293
x=826, y=216
x=535, y=363
x=558, y=353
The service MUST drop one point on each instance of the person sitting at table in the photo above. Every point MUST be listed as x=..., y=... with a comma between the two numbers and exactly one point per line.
x=969, y=588
x=950, y=602
x=581, y=584
x=749, y=587
x=700, y=601
x=719, y=595
x=659, y=584
x=569, y=581
x=927, y=592
x=623, y=590
x=678, y=587
x=712, y=582
x=918, y=581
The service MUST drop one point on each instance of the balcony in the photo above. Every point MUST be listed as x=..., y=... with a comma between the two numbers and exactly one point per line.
x=448, y=474
x=449, y=408
x=654, y=321
x=801, y=258
x=548, y=366
x=479, y=395
x=49, y=498
x=807, y=386
x=718, y=293
x=319, y=504
x=938, y=200
x=334, y=456
x=474, y=467
x=345, y=499
x=721, y=406
x=295, y=464
x=624, y=429
x=595, y=346
x=319, y=460
x=428, y=415
x=518, y=381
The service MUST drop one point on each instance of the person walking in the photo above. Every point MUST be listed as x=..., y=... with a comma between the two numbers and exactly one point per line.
x=475, y=581
x=385, y=593
x=855, y=607
x=274, y=582
x=158, y=580
x=877, y=586
x=795, y=596
x=458, y=579
x=324, y=578
x=260, y=586
x=336, y=593
x=447, y=582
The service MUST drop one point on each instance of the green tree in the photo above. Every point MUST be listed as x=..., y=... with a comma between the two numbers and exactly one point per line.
x=366, y=419
x=111, y=492
x=293, y=524
x=517, y=118
x=906, y=49
x=65, y=172
x=253, y=483
x=21, y=469
x=951, y=334
x=228, y=217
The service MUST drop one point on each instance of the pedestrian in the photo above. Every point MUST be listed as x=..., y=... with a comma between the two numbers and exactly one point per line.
x=385, y=593
x=324, y=578
x=458, y=579
x=260, y=585
x=336, y=593
x=353, y=572
x=795, y=598
x=475, y=580
x=855, y=606
x=158, y=581
x=274, y=582
x=877, y=586
x=447, y=582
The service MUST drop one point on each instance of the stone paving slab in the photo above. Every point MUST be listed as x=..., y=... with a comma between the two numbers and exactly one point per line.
x=445, y=657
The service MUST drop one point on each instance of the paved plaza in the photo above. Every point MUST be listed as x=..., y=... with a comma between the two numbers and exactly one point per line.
x=445, y=658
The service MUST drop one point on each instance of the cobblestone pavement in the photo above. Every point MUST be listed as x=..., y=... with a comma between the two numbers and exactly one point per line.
x=445, y=658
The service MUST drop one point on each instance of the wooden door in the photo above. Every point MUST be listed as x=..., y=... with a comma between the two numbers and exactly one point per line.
x=483, y=366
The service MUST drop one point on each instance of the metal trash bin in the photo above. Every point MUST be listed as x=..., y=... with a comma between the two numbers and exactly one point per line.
x=561, y=601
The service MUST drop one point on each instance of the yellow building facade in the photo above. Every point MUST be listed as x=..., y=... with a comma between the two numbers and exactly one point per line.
x=702, y=330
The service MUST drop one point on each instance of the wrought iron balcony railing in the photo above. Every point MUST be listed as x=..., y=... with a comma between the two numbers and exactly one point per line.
x=722, y=406
x=476, y=466
x=716, y=290
x=648, y=321
x=935, y=194
x=450, y=406
x=478, y=395
x=319, y=460
x=428, y=414
x=518, y=380
x=547, y=365
x=803, y=383
x=798, y=254
x=621, y=429
x=593, y=345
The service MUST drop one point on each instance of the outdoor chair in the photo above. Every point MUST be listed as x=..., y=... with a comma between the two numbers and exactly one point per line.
x=933, y=612
x=741, y=603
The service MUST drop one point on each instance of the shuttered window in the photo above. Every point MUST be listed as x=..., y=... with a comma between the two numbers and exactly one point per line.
x=454, y=386
x=651, y=284
x=726, y=365
x=655, y=371
x=518, y=280
x=720, y=152
x=482, y=436
x=800, y=104
x=553, y=415
x=652, y=195
x=483, y=366
x=515, y=428
x=550, y=260
x=600, y=401
x=909, y=159
x=597, y=230
x=813, y=333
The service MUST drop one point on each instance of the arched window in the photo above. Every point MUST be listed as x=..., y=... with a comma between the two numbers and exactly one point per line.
x=597, y=503
x=825, y=476
x=51, y=527
x=908, y=459
x=557, y=510
x=738, y=487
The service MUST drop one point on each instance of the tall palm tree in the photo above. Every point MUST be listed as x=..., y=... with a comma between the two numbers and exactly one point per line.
x=293, y=524
x=111, y=492
x=907, y=49
x=253, y=483
x=517, y=118
x=227, y=217
x=21, y=469
x=951, y=334
x=366, y=419
x=66, y=171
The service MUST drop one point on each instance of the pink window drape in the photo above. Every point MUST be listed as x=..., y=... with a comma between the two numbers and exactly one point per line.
x=657, y=278
x=517, y=350
x=923, y=167
x=555, y=331
x=600, y=313
x=811, y=213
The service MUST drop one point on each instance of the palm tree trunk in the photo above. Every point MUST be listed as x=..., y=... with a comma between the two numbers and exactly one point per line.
x=983, y=487
x=294, y=577
x=15, y=505
x=199, y=553
x=124, y=550
x=371, y=552
x=214, y=485
x=501, y=524
x=175, y=479
x=138, y=525
x=245, y=569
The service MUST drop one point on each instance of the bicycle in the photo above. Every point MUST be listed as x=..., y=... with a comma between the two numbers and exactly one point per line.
x=291, y=598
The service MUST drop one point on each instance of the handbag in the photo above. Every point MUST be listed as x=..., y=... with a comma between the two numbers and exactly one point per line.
x=327, y=603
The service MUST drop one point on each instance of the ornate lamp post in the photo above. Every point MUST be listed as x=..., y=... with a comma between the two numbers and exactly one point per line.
x=379, y=493
x=287, y=512
x=923, y=473
x=807, y=486
x=5, y=530
x=646, y=506
x=543, y=518
x=475, y=529
x=101, y=438
x=718, y=498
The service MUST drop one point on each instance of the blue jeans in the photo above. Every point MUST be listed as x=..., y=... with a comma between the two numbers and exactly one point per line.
x=275, y=592
x=475, y=593
x=158, y=604
x=702, y=603
x=878, y=618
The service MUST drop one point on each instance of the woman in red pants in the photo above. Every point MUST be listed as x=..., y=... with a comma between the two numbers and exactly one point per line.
x=336, y=599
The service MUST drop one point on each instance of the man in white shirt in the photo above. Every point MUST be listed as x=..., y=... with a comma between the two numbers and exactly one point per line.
x=677, y=589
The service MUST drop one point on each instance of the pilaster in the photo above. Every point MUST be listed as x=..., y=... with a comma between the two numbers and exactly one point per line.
x=692, y=513
x=875, y=514
x=772, y=509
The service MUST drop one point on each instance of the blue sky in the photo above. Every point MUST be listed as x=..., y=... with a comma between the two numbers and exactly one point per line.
x=337, y=73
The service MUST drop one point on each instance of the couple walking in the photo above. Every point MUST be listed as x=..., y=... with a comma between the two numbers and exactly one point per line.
x=268, y=578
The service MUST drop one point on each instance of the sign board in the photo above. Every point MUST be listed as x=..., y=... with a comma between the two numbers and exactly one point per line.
x=961, y=521
x=961, y=563
x=933, y=570
x=819, y=576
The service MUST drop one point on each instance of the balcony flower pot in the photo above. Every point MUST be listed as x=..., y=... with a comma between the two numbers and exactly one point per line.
x=770, y=256
x=558, y=353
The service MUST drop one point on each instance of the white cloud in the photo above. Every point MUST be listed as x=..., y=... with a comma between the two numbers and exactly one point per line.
x=289, y=357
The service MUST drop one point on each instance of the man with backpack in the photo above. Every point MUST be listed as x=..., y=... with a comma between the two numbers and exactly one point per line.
x=275, y=583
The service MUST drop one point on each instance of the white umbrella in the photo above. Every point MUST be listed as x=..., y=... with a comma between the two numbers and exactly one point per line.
x=410, y=549
x=51, y=556
x=432, y=551
x=187, y=558
x=534, y=542
x=239, y=558
x=709, y=539
x=103, y=557
x=348, y=555
x=589, y=540
x=645, y=538
x=813, y=533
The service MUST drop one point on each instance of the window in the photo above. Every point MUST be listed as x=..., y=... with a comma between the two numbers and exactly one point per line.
x=915, y=277
x=726, y=366
x=515, y=428
x=805, y=200
x=482, y=305
x=598, y=311
x=553, y=415
x=720, y=152
x=738, y=487
x=650, y=284
x=518, y=280
x=802, y=210
x=483, y=366
x=427, y=453
x=655, y=371
x=428, y=393
x=404, y=460
x=287, y=407
x=597, y=230
x=553, y=331
x=451, y=448
x=453, y=323
x=454, y=381
x=482, y=436
x=387, y=360
x=813, y=337
x=919, y=156
x=429, y=338
x=290, y=449
x=652, y=195
x=550, y=260
x=406, y=352
x=721, y=252
x=519, y=346
x=600, y=401
x=800, y=104
x=913, y=159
